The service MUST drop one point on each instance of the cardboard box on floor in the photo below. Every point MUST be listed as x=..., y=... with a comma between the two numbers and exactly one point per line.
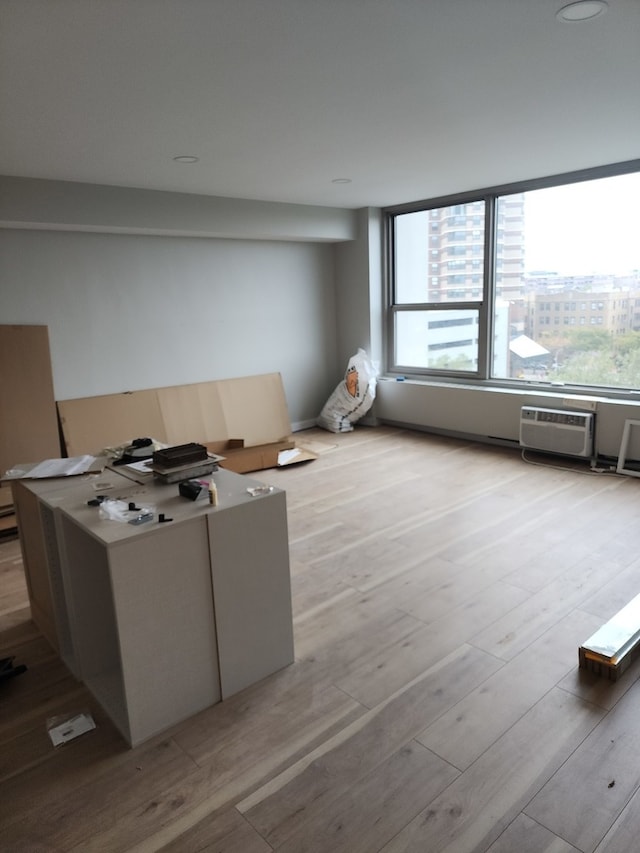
x=246, y=420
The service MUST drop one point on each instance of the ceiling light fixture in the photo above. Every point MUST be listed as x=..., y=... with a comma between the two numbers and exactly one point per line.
x=185, y=158
x=583, y=10
x=341, y=181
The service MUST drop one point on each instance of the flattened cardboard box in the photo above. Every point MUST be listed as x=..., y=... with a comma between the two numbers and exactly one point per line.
x=243, y=459
x=248, y=416
x=28, y=426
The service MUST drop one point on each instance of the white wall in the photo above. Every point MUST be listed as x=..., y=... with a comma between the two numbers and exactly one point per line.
x=142, y=288
x=129, y=312
x=359, y=289
x=64, y=205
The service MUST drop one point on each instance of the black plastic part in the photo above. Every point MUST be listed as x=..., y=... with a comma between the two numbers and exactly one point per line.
x=8, y=670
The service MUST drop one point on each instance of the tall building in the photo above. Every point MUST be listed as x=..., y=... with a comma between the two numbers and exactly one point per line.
x=456, y=250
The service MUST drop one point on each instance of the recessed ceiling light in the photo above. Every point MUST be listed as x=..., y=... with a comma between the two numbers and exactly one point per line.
x=583, y=10
x=185, y=158
x=341, y=181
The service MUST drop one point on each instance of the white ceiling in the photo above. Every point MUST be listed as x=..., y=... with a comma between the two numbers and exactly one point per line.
x=409, y=99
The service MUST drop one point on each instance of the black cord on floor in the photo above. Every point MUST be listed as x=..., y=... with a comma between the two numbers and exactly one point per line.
x=608, y=471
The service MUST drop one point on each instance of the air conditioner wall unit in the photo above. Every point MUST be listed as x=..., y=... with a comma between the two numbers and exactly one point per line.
x=557, y=431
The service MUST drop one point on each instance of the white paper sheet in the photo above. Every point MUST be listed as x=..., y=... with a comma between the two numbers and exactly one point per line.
x=62, y=467
x=52, y=468
x=71, y=728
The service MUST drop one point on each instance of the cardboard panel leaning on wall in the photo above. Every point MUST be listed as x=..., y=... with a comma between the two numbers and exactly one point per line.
x=28, y=424
x=252, y=409
x=89, y=424
x=255, y=409
x=190, y=412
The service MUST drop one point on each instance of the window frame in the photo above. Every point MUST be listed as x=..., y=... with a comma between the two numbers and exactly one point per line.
x=485, y=305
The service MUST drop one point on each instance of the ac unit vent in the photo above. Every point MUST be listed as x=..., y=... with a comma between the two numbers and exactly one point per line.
x=557, y=431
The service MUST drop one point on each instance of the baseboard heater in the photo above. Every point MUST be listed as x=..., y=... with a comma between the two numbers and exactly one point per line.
x=557, y=431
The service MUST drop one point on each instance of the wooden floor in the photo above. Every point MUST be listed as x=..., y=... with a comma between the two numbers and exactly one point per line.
x=441, y=590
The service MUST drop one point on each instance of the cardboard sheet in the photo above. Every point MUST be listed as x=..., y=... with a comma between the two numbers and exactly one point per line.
x=89, y=424
x=255, y=409
x=244, y=419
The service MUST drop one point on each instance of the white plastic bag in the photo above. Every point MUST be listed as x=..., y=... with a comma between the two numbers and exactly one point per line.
x=353, y=397
x=119, y=510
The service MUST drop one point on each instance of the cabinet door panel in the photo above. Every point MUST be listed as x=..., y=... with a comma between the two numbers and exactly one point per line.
x=34, y=557
x=164, y=609
x=251, y=590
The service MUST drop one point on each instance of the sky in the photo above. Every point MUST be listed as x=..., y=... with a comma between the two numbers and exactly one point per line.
x=585, y=228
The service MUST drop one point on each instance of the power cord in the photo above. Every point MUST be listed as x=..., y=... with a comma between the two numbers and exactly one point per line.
x=609, y=471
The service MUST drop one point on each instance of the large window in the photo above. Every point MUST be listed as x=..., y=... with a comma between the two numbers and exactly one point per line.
x=540, y=283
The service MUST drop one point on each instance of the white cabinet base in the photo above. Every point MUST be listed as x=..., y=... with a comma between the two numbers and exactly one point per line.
x=163, y=620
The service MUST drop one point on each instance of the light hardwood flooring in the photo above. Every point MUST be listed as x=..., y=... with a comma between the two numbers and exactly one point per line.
x=440, y=592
